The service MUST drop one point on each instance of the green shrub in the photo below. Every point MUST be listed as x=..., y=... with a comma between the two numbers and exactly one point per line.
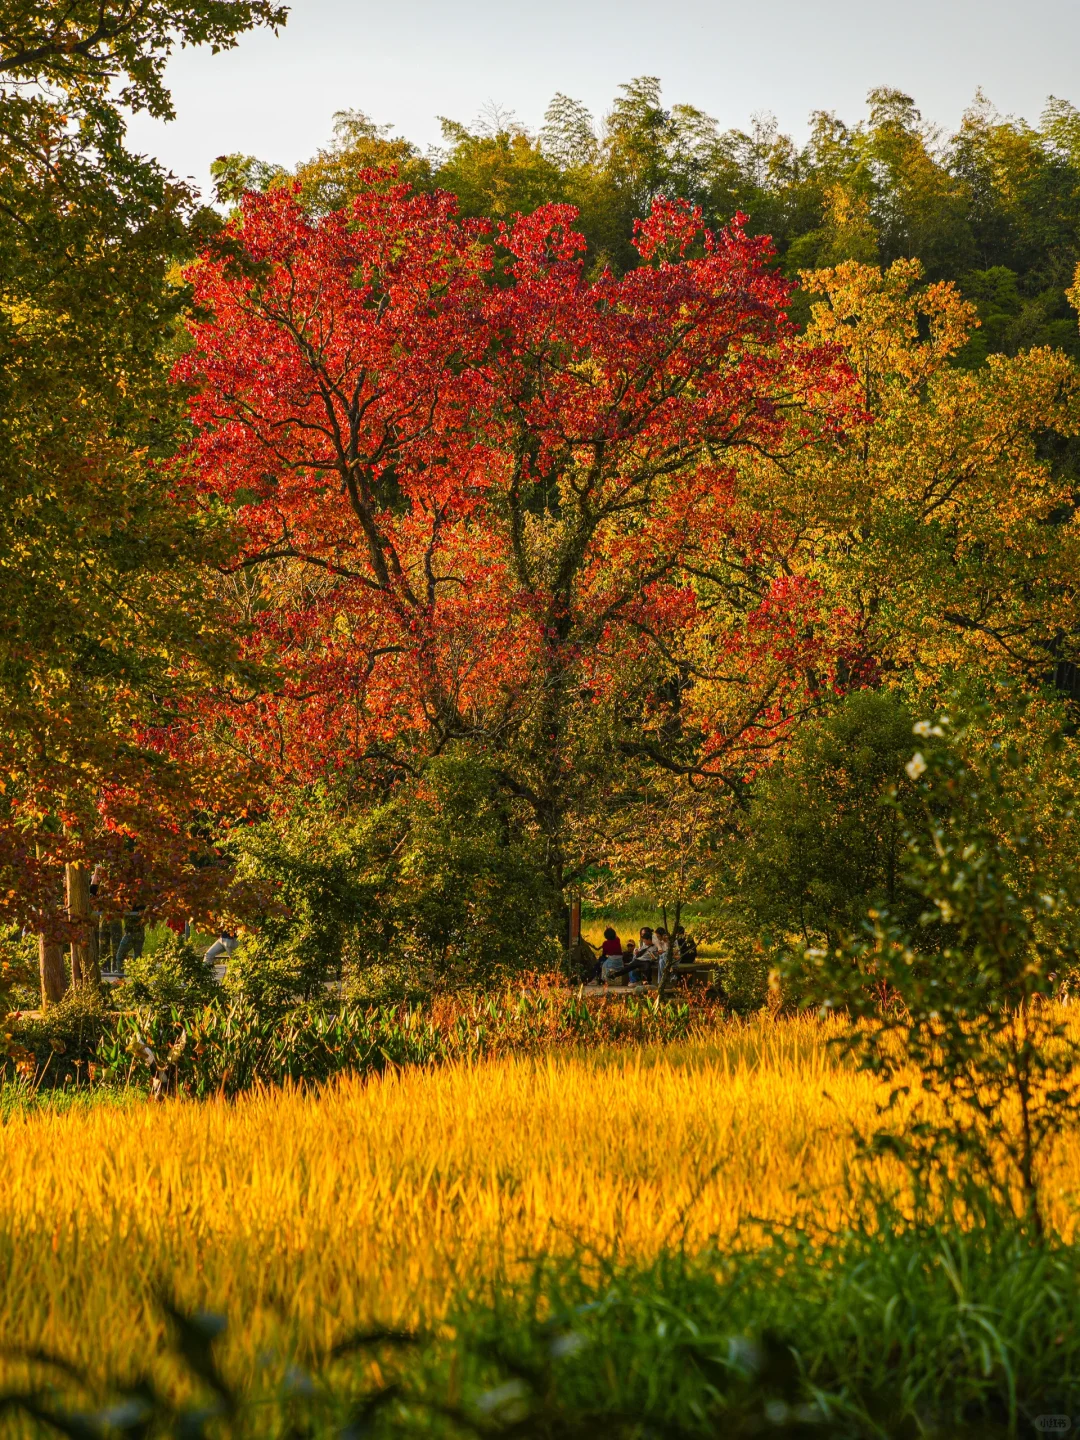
x=472, y=903
x=173, y=974
x=18, y=973
x=744, y=983
x=272, y=977
x=960, y=997
x=63, y=1042
x=229, y=1048
x=439, y=885
x=325, y=878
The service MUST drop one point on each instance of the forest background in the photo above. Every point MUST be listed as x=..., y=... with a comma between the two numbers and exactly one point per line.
x=875, y=520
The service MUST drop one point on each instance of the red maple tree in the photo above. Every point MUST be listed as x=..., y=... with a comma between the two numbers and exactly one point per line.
x=472, y=487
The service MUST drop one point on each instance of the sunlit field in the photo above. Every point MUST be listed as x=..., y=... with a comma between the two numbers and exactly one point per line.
x=382, y=1200
x=375, y=1200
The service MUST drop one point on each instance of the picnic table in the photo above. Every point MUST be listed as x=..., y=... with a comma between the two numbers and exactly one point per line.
x=709, y=970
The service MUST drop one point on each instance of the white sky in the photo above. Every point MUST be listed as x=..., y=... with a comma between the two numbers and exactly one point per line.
x=408, y=61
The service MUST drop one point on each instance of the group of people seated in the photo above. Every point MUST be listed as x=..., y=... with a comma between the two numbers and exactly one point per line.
x=649, y=959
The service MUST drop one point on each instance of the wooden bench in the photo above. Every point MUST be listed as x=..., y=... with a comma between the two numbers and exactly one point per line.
x=709, y=969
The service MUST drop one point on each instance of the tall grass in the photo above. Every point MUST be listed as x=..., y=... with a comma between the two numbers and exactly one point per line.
x=413, y=1198
x=378, y=1199
x=902, y=1331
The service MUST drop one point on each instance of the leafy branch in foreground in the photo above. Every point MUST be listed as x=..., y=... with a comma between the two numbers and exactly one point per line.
x=982, y=1065
x=142, y=1407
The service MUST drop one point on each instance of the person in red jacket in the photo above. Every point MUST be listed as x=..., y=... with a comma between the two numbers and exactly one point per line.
x=611, y=955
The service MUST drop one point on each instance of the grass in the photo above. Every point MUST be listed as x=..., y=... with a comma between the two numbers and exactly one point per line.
x=661, y=1203
x=874, y=1332
x=377, y=1200
x=19, y=1099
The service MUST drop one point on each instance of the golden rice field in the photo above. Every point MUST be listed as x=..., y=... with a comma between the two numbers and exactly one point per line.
x=381, y=1200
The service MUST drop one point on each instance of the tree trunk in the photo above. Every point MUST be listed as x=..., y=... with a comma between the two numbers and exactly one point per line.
x=51, y=966
x=84, y=960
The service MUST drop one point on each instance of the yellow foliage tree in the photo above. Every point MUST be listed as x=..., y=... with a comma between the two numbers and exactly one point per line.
x=939, y=522
x=935, y=532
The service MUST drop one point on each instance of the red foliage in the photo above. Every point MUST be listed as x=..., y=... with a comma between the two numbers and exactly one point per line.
x=465, y=486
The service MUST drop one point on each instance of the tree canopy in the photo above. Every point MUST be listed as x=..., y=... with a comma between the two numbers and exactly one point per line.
x=589, y=485
x=104, y=627
x=994, y=207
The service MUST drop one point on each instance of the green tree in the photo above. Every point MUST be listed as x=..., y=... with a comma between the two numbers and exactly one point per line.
x=820, y=844
x=104, y=618
x=329, y=181
x=998, y=195
x=497, y=169
x=109, y=55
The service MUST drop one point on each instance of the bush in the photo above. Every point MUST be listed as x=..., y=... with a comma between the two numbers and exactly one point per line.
x=439, y=885
x=230, y=1048
x=745, y=983
x=473, y=903
x=61, y=1045
x=263, y=976
x=990, y=855
x=327, y=879
x=18, y=973
x=173, y=974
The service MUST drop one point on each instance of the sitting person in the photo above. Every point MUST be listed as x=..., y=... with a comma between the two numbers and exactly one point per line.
x=583, y=960
x=685, y=946
x=644, y=956
x=612, y=944
x=612, y=961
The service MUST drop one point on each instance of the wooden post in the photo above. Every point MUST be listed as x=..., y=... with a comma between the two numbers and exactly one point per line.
x=84, y=960
x=51, y=966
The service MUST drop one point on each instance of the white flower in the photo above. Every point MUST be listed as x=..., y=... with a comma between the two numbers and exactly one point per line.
x=141, y=1051
x=916, y=766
